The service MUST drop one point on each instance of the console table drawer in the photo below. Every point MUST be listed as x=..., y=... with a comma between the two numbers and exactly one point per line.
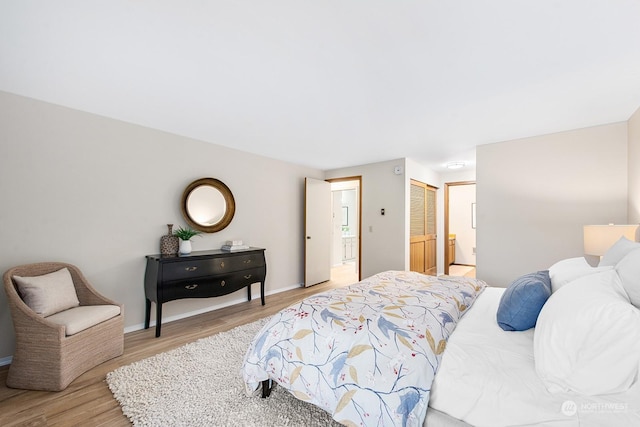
x=206, y=287
x=206, y=267
x=248, y=261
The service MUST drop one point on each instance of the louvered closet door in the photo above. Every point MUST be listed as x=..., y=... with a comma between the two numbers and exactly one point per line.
x=422, y=249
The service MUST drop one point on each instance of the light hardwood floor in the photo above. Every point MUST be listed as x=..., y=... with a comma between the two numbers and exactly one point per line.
x=89, y=402
x=462, y=270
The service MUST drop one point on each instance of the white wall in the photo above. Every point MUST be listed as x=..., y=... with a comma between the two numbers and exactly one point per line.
x=633, y=157
x=98, y=193
x=534, y=195
x=349, y=200
x=460, y=199
x=336, y=228
x=383, y=236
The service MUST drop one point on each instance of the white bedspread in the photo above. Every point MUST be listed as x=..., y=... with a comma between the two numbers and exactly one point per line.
x=487, y=378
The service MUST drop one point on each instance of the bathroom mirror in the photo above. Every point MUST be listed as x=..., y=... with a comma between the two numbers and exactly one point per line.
x=208, y=205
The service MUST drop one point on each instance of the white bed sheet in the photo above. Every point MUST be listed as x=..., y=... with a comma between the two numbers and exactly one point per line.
x=487, y=378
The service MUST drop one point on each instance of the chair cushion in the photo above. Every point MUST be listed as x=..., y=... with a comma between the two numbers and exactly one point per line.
x=48, y=294
x=83, y=317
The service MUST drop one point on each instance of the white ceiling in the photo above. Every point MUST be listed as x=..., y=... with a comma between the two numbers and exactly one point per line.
x=332, y=83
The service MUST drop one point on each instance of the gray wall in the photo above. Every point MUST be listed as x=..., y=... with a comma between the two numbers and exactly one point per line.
x=98, y=193
x=534, y=195
x=383, y=237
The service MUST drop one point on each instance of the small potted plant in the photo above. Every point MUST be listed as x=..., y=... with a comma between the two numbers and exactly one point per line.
x=185, y=235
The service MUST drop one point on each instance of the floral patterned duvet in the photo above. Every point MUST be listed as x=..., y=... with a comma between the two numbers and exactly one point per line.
x=366, y=353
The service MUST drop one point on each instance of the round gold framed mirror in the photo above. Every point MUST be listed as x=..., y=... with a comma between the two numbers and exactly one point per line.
x=208, y=205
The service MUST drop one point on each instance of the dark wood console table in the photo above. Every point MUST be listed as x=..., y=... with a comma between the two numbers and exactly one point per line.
x=201, y=274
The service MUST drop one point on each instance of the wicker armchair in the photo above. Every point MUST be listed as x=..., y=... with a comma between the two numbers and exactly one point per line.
x=45, y=358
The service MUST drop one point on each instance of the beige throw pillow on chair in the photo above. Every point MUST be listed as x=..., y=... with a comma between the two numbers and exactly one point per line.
x=48, y=294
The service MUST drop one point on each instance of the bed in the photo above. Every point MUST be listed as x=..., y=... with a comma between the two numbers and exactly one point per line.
x=488, y=378
x=401, y=348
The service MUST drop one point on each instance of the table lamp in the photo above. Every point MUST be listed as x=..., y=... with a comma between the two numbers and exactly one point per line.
x=599, y=238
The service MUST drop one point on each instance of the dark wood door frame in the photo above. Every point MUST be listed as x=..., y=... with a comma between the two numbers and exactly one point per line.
x=359, y=179
x=446, y=219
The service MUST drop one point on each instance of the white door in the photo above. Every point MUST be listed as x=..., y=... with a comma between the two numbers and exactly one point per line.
x=317, y=248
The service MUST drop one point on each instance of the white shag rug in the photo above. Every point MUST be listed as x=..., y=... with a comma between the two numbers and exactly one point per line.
x=200, y=384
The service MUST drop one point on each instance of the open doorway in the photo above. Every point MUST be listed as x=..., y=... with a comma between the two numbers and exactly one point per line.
x=345, y=229
x=460, y=228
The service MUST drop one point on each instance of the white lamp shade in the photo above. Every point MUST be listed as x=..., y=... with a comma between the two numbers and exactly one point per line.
x=599, y=238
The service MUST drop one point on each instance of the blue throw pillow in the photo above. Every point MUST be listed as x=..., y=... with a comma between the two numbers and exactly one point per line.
x=522, y=301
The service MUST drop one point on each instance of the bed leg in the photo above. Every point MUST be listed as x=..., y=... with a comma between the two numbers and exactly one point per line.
x=267, y=385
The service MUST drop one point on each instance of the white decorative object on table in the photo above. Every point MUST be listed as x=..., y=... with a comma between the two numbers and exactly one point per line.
x=234, y=245
x=185, y=247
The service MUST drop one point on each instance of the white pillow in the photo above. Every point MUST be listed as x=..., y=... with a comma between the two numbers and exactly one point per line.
x=587, y=337
x=618, y=251
x=629, y=271
x=570, y=269
x=48, y=294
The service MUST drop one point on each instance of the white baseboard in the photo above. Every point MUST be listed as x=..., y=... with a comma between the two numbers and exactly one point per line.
x=7, y=360
x=169, y=319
